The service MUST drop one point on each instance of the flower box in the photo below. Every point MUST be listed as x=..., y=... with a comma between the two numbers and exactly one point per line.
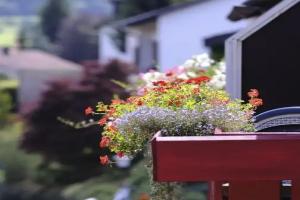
x=230, y=156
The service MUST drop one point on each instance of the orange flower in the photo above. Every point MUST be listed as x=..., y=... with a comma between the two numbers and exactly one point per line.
x=144, y=196
x=117, y=101
x=175, y=103
x=102, y=121
x=111, y=112
x=104, y=142
x=104, y=160
x=253, y=93
x=256, y=102
x=88, y=111
x=196, y=90
x=131, y=99
x=111, y=127
x=120, y=154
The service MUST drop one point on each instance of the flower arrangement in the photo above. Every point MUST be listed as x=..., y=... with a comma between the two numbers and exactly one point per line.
x=187, y=102
x=177, y=108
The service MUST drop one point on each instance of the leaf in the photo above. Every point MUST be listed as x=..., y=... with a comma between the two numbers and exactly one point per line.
x=121, y=84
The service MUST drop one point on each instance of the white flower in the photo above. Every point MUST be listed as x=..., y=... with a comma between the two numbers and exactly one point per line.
x=183, y=76
x=222, y=67
x=218, y=81
x=151, y=77
x=203, y=60
x=189, y=63
x=191, y=74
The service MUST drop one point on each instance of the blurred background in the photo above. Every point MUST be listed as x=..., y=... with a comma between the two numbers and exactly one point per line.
x=58, y=57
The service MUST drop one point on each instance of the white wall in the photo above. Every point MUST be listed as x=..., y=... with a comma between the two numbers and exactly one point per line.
x=181, y=33
x=108, y=50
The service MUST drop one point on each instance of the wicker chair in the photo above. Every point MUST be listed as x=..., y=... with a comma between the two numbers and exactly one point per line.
x=285, y=119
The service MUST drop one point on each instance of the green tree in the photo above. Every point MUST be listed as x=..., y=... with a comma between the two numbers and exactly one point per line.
x=52, y=16
x=71, y=154
x=5, y=106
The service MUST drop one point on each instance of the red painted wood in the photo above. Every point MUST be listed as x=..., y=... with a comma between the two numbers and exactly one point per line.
x=215, y=190
x=262, y=156
x=295, y=189
x=254, y=190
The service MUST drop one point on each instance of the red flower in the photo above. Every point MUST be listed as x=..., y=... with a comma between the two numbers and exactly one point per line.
x=253, y=93
x=198, y=80
x=120, y=154
x=160, y=89
x=256, y=102
x=139, y=102
x=104, y=142
x=104, y=160
x=169, y=74
x=111, y=112
x=159, y=83
x=88, y=111
x=102, y=121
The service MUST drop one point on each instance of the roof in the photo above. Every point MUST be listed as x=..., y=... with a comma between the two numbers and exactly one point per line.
x=234, y=44
x=251, y=8
x=152, y=15
x=263, y=20
x=36, y=60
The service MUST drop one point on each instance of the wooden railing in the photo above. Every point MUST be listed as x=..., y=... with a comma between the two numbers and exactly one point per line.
x=254, y=164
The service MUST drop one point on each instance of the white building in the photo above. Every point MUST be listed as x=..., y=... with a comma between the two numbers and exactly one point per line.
x=169, y=36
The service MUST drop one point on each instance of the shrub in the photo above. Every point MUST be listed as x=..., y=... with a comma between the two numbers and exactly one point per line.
x=71, y=154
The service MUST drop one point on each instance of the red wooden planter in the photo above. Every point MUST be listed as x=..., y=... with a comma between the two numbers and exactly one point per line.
x=253, y=163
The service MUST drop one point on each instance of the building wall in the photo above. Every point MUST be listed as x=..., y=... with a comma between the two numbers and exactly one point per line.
x=181, y=33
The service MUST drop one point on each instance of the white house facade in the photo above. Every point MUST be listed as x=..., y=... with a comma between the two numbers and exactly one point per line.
x=169, y=36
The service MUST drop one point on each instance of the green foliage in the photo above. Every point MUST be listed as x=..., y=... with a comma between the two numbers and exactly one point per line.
x=72, y=154
x=52, y=16
x=105, y=186
x=5, y=106
x=78, y=40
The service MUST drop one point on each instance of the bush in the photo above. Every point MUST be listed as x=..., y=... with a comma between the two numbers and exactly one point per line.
x=71, y=154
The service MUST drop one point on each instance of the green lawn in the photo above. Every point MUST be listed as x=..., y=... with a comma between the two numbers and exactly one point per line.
x=8, y=84
x=16, y=164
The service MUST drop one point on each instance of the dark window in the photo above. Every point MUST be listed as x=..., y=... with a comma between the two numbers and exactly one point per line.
x=119, y=38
